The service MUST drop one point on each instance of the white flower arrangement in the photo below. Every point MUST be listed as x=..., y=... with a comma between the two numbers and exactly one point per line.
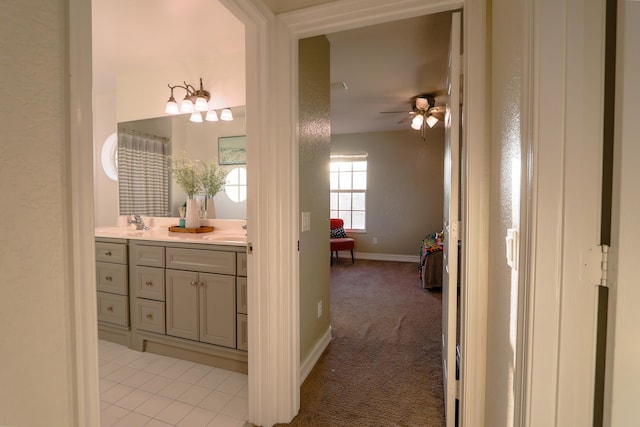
x=186, y=173
x=212, y=179
x=196, y=176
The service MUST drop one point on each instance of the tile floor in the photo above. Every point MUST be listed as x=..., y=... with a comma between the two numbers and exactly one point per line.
x=146, y=389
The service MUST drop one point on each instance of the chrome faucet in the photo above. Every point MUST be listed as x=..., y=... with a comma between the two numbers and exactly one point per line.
x=137, y=220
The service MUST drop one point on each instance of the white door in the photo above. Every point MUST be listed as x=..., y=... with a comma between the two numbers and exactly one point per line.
x=451, y=223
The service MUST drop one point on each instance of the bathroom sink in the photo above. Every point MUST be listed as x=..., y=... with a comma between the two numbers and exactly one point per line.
x=226, y=238
x=120, y=232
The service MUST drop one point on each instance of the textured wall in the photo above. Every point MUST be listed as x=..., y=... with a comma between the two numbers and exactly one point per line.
x=36, y=357
x=405, y=187
x=314, y=137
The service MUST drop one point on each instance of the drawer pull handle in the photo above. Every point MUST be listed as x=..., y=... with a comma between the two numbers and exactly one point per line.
x=149, y=316
x=148, y=283
x=110, y=309
x=108, y=253
x=108, y=278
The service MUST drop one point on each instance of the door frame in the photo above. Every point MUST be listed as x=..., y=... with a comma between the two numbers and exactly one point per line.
x=271, y=73
x=342, y=15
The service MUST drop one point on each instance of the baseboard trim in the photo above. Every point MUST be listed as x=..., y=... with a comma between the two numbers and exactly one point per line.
x=386, y=257
x=307, y=365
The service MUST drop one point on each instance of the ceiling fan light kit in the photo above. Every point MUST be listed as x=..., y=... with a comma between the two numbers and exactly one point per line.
x=195, y=102
x=425, y=113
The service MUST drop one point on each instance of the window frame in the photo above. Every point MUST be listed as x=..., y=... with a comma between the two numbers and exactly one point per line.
x=335, y=213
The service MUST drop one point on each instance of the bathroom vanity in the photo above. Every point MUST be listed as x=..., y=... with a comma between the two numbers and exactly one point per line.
x=179, y=294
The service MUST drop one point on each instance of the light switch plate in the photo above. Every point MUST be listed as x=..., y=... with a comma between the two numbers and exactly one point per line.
x=306, y=221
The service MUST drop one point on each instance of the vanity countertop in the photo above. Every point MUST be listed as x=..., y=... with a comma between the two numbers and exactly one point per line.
x=221, y=235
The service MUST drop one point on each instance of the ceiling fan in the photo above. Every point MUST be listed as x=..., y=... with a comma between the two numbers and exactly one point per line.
x=423, y=112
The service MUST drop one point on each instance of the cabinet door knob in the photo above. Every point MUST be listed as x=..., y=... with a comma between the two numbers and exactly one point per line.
x=110, y=309
x=201, y=283
x=108, y=253
x=149, y=316
x=149, y=283
x=108, y=278
x=194, y=283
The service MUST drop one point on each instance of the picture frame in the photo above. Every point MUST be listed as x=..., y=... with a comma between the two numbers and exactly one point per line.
x=232, y=150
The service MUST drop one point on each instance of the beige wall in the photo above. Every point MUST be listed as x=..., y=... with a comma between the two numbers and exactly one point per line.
x=405, y=187
x=36, y=383
x=314, y=139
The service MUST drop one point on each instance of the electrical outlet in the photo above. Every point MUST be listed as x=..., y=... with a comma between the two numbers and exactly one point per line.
x=319, y=308
x=375, y=240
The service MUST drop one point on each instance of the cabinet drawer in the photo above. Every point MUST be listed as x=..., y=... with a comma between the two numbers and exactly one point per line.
x=150, y=316
x=241, y=295
x=111, y=252
x=242, y=264
x=243, y=337
x=151, y=256
x=201, y=260
x=149, y=283
x=112, y=278
x=113, y=309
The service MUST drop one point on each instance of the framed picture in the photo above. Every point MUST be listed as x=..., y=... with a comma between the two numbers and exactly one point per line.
x=232, y=150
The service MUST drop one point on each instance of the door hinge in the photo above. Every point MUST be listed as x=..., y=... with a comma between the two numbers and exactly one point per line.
x=604, y=267
x=454, y=231
x=594, y=265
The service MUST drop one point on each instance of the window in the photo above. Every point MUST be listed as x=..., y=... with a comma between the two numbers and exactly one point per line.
x=236, y=185
x=348, y=188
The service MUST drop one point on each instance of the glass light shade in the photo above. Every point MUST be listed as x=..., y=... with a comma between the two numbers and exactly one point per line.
x=171, y=107
x=431, y=121
x=201, y=104
x=187, y=106
x=196, y=117
x=416, y=123
x=212, y=116
x=226, y=114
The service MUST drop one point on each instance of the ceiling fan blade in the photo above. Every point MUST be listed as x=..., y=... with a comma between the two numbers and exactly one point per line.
x=409, y=117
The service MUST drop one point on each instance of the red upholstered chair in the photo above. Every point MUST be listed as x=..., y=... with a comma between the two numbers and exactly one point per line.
x=341, y=242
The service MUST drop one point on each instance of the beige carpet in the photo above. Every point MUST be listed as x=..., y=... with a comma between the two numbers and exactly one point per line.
x=383, y=366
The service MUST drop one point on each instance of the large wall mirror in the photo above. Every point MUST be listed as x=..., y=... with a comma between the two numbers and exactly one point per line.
x=176, y=135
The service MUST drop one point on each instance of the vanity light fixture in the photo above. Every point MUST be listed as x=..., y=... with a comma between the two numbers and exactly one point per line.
x=195, y=102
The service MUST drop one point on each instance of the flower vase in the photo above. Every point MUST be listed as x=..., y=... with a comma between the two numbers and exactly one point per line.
x=211, y=208
x=192, y=217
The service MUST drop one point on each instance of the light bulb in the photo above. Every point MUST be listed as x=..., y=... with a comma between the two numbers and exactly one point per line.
x=416, y=123
x=187, y=105
x=172, y=106
x=196, y=117
x=431, y=121
x=212, y=116
x=226, y=114
x=201, y=104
